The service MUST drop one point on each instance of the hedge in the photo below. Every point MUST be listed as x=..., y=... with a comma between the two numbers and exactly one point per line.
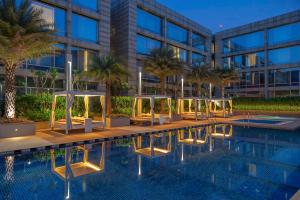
x=290, y=104
x=38, y=107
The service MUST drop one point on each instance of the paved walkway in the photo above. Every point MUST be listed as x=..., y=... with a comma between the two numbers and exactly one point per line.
x=49, y=139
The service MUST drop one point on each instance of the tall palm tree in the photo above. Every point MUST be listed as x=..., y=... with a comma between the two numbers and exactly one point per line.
x=225, y=77
x=162, y=63
x=201, y=74
x=24, y=35
x=108, y=69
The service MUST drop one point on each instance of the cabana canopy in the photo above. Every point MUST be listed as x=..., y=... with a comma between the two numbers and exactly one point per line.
x=151, y=151
x=139, y=115
x=225, y=107
x=85, y=122
x=192, y=113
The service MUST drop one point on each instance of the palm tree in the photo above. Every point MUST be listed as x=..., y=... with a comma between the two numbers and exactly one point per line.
x=225, y=77
x=201, y=74
x=23, y=35
x=108, y=69
x=162, y=63
x=53, y=75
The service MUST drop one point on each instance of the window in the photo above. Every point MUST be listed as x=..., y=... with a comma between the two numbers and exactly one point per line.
x=284, y=77
x=145, y=45
x=177, y=33
x=290, y=32
x=179, y=53
x=53, y=15
x=56, y=60
x=148, y=21
x=198, y=42
x=245, y=61
x=244, y=42
x=82, y=58
x=84, y=28
x=287, y=55
x=198, y=59
x=90, y=4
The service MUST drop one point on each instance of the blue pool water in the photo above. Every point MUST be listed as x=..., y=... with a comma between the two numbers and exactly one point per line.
x=239, y=163
x=259, y=121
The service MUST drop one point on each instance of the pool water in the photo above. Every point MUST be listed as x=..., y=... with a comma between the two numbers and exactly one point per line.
x=221, y=162
x=259, y=121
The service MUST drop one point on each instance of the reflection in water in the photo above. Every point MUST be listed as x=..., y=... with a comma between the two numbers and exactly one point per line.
x=227, y=162
x=159, y=145
x=9, y=168
x=71, y=169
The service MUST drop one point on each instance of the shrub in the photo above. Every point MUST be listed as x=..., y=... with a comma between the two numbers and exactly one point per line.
x=291, y=104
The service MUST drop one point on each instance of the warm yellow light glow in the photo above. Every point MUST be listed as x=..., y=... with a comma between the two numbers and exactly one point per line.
x=94, y=167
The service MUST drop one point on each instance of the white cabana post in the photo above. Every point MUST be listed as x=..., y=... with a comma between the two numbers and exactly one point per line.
x=84, y=122
x=220, y=107
x=151, y=115
x=194, y=108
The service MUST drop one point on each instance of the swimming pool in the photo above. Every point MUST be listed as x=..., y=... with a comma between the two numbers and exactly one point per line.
x=260, y=121
x=221, y=162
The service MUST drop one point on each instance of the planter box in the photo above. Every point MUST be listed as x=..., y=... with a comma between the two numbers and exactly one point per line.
x=176, y=117
x=42, y=125
x=117, y=121
x=17, y=129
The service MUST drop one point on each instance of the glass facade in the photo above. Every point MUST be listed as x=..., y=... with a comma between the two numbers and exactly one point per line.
x=53, y=15
x=252, y=79
x=245, y=61
x=198, y=59
x=84, y=28
x=244, y=42
x=149, y=22
x=284, y=77
x=287, y=55
x=180, y=53
x=198, y=41
x=281, y=34
x=56, y=60
x=145, y=45
x=90, y=4
x=82, y=58
x=177, y=33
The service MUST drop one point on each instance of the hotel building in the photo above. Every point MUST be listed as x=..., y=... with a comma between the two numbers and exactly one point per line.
x=266, y=53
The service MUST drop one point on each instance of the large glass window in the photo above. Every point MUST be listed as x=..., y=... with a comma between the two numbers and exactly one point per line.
x=90, y=4
x=148, y=21
x=56, y=59
x=145, y=45
x=244, y=42
x=287, y=55
x=284, y=77
x=198, y=59
x=177, y=33
x=198, y=41
x=245, y=61
x=179, y=53
x=252, y=79
x=82, y=58
x=54, y=16
x=290, y=32
x=84, y=28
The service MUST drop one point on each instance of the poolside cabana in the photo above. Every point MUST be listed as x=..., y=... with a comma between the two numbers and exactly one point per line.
x=72, y=170
x=153, y=150
x=193, y=137
x=221, y=131
x=220, y=107
x=139, y=115
x=77, y=122
x=193, y=110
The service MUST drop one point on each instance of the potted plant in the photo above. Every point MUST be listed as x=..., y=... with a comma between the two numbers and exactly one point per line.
x=24, y=35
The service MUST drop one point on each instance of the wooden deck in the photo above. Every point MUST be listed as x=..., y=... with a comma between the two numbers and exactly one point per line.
x=47, y=138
